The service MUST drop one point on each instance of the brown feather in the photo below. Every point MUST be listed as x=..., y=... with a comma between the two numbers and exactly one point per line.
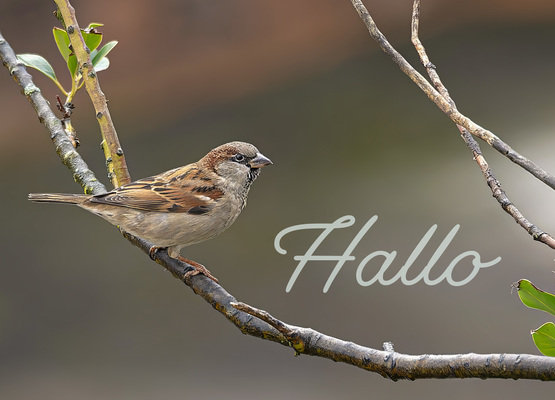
x=164, y=193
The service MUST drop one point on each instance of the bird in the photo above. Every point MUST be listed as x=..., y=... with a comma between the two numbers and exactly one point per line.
x=179, y=207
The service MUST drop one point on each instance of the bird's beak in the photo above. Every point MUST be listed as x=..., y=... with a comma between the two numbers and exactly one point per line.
x=260, y=161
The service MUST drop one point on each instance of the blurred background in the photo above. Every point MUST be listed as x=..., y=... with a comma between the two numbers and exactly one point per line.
x=83, y=314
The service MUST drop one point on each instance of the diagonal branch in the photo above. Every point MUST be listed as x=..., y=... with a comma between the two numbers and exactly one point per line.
x=115, y=160
x=212, y=292
x=63, y=145
x=495, y=186
x=500, y=195
x=439, y=94
x=258, y=323
x=430, y=68
x=444, y=104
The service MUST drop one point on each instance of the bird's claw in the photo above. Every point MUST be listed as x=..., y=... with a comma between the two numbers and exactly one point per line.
x=199, y=269
x=152, y=252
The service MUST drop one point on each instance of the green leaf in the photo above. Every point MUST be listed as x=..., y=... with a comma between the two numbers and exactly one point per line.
x=93, y=25
x=92, y=40
x=62, y=41
x=102, y=65
x=99, y=55
x=72, y=65
x=533, y=297
x=39, y=63
x=544, y=338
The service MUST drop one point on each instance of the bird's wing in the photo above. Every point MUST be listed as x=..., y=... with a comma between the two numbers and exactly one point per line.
x=181, y=190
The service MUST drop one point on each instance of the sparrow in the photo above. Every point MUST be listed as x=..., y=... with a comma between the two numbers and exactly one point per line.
x=179, y=207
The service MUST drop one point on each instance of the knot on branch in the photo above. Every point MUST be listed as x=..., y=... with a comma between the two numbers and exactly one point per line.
x=291, y=334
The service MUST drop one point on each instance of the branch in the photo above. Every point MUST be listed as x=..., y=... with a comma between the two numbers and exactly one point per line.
x=439, y=94
x=444, y=104
x=258, y=323
x=499, y=194
x=395, y=366
x=495, y=186
x=115, y=160
x=63, y=145
x=212, y=292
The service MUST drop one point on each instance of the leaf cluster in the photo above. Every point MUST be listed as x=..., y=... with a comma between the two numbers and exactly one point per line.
x=92, y=38
x=531, y=296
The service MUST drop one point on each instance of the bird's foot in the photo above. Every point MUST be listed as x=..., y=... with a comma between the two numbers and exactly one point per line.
x=199, y=269
x=152, y=251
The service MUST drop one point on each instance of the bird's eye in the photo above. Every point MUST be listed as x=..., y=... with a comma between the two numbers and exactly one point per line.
x=238, y=158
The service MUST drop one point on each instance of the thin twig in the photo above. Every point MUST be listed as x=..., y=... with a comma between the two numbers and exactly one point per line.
x=445, y=106
x=115, y=160
x=499, y=194
x=430, y=68
x=440, y=96
x=495, y=186
x=70, y=157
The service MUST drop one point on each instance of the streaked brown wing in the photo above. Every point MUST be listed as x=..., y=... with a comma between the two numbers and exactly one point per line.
x=180, y=190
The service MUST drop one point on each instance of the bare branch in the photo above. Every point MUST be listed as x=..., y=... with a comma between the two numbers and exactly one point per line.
x=255, y=322
x=63, y=145
x=115, y=160
x=444, y=104
x=495, y=186
x=430, y=68
x=397, y=366
x=441, y=97
x=499, y=194
x=212, y=292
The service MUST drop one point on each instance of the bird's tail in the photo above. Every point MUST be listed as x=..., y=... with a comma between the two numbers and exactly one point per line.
x=57, y=198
